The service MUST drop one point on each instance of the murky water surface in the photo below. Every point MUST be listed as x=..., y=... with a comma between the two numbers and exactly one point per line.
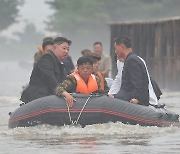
x=100, y=138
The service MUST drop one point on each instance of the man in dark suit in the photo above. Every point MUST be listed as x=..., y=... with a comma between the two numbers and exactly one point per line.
x=134, y=87
x=48, y=72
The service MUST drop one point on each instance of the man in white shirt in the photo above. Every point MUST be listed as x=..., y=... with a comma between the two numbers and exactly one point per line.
x=153, y=100
x=115, y=87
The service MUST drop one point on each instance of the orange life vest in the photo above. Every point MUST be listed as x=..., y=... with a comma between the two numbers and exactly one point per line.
x=101, y=79
x=84, y=88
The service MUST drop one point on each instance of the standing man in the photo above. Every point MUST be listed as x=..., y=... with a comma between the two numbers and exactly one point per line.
x=134, y=86
x=105, y=62
x=48, y=72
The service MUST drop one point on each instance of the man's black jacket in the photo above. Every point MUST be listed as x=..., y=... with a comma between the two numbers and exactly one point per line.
x=46, y=75
x=134, y=80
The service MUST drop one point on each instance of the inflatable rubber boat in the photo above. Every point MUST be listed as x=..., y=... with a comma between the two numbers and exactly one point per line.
x=88, y=110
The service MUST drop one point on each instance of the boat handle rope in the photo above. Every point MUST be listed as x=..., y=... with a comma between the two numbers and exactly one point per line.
x=76, y=121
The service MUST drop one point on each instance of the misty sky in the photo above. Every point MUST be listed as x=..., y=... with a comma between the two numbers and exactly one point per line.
x=33, y=11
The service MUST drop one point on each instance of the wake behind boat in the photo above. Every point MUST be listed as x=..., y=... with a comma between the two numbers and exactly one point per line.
x=88, y=110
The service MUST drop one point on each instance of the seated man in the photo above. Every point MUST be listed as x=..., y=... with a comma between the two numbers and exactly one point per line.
x=134, y=86
x=80, y=81
x=154, y=90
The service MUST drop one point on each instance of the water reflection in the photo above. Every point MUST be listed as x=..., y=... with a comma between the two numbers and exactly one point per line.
x=142, y=140
x=99, y=138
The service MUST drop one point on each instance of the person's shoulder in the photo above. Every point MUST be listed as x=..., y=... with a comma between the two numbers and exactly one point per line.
x=47, y=59
x=70, y=79
x=132, y=56
x=70, y=76
x=97, y=74
x=105, y=55
x=49, y=55
x=37, y=56
x=96, y=77
x=69, y=57
x=134, y=60
x=38, y=53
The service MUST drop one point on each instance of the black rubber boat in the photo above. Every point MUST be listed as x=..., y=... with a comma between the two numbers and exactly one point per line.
x=88, y=110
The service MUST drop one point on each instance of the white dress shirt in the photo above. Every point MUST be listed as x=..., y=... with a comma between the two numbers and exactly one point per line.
x=152, y=96
x=115, y=87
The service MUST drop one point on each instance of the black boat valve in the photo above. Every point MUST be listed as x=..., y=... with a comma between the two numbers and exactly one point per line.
x=21, y=104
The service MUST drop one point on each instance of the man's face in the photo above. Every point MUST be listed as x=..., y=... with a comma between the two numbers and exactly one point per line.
x=118, y=50
x=85, y=70
x=96, y=65
x=61, y=50
x=98, y=49
x=47, y=49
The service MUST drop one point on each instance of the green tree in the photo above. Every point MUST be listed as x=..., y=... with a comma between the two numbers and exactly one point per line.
x=30, y=36
x=25, y=47
x=8, y=12
x=87, y=20
x=83, y=15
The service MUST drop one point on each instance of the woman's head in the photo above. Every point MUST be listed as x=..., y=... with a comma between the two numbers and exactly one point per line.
x=96, y=61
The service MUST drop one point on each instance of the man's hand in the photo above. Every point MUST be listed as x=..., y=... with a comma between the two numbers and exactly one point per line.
x=134, y=101
x=105, y=73
x=69, y=99
x=110, y=95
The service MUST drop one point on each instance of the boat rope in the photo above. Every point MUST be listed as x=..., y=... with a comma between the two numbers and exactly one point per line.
x=68, y=112
x=76, y=121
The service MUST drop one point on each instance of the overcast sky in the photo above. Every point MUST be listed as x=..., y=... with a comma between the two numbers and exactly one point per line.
x=33, y=11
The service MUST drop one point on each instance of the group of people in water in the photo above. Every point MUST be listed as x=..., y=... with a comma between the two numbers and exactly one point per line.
x=54, y=73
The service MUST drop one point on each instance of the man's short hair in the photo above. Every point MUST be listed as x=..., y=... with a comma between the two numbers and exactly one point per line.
x=47, y=38
x=95, y=57
x=85, y=52
x=96, y=43
x=84, y=60
x=123, y=40
x=60, y=40
x=47, y=42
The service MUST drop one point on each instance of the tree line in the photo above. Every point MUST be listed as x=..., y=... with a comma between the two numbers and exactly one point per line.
x=87, y=20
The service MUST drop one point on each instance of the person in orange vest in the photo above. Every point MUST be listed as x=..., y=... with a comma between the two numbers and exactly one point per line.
x=96, y=62
x=80, y=81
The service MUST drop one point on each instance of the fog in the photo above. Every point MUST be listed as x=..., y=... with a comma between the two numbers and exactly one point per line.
x=23, y=40
x=33, y=20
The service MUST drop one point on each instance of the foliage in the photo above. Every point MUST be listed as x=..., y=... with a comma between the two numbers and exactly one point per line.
x=24, y=48
x=74, y=17
x=8, y=12
x=30, y=35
